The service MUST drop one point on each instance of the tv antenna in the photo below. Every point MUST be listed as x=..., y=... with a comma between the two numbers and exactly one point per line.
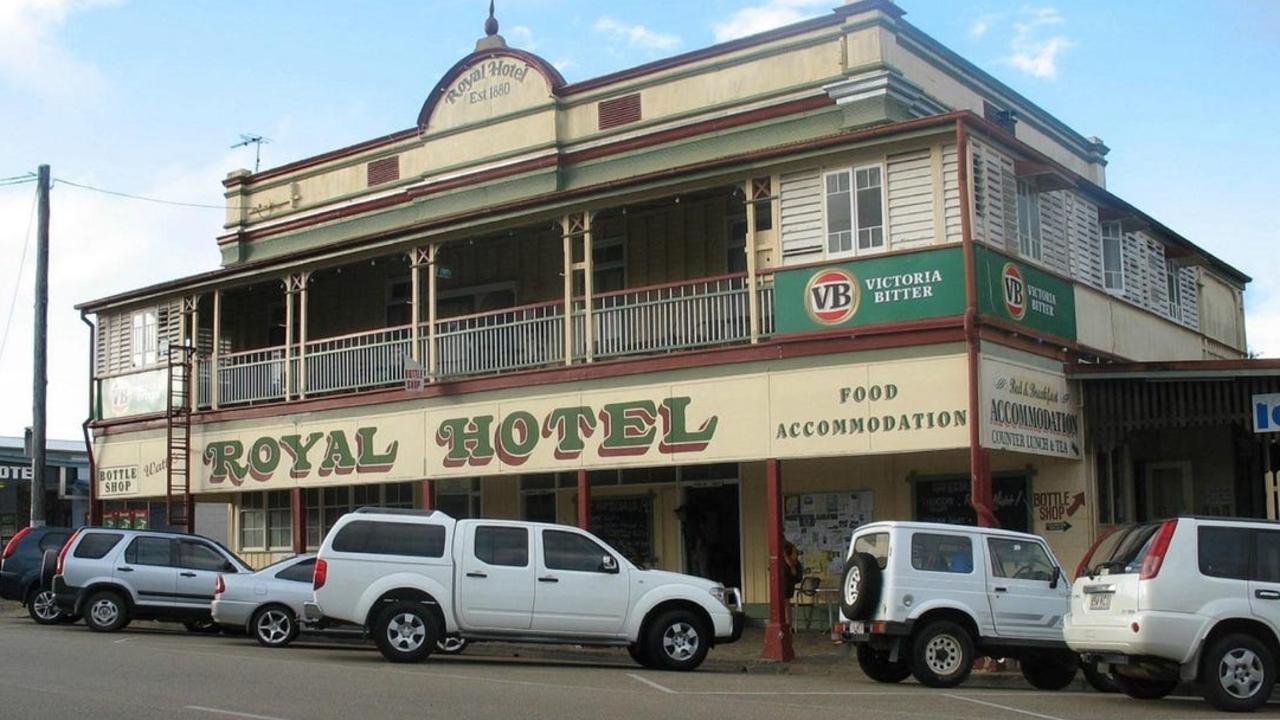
x=256, y=141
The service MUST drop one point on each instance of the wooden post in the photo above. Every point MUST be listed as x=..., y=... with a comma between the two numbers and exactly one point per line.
x=194, y=356
x=588, y=288
x=749, y=247
x=417, y=257
x=567, y=237
x=215, y=357
x=288, y=337
x=299, y=508
x=304, y=280
x=433, y=281
x=584, y=500
x=428, y=496
x=777, y=632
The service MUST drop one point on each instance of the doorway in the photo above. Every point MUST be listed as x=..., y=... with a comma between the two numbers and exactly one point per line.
x=711, y=532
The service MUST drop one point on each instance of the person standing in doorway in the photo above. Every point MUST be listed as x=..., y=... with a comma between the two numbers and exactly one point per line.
x=791, y=574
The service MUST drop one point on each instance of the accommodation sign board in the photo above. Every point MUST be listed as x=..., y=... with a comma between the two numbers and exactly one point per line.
x=1017, y=292
x=895, y=288
x=1028, y=409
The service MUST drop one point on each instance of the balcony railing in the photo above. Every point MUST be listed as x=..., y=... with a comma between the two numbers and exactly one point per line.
x=644, y=321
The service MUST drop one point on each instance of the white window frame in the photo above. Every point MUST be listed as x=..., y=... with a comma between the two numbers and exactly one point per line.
x=1107, y=275
x=1030, y=240
x=144, y=338
x=855, y=230
x=270, y=512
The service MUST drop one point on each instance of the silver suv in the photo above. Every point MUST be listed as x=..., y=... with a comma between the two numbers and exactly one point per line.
x=113, y=577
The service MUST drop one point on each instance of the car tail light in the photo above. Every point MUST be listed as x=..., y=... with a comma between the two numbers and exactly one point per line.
x=1159, y=546
x=11, y=547
x=1088, y=556
x=321, y=574
x=219, y=586
x=62, y=554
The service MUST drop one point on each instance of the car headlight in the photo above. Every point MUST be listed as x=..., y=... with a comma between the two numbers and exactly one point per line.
x=719, y=593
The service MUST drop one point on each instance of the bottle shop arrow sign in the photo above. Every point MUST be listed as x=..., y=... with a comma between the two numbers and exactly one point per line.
x=1055, y=507
x=1057, y=526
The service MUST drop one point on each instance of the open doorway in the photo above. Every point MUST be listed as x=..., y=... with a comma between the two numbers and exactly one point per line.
x=711, y=532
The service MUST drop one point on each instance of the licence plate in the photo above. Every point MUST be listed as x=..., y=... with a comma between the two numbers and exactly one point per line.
x=1100, y=601
x=857, y=628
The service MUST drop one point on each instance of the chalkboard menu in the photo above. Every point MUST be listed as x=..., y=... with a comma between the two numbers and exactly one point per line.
x=626, y=523
x=946, y=500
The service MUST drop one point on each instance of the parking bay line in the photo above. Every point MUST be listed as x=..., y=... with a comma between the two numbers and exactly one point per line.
x=998, y=706
x=652, y=684
x=231, y=713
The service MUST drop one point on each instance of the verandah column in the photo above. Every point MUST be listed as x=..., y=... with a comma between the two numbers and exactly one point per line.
x=215, y=357
x=299, y=509
x=777, y=632
x=576, y=227
x=288, y=336
x=584, y=500
x=428, y=496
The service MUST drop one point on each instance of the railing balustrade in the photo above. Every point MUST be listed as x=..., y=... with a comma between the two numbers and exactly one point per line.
x=660, y=319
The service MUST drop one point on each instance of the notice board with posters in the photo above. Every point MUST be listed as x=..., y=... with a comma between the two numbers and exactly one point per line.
x=626, y=523
x=946, y=500
x=820, y=525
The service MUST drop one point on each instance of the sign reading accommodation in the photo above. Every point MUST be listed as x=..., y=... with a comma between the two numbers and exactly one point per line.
x=866, y=292
x=1028, y=410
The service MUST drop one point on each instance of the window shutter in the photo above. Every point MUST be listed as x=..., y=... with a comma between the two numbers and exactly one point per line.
x=951, y=192
x=1187, y=282
x=1157, y=287
x=1053, y=232
x=1084, y=236
x=800, y=201
x=909, y=189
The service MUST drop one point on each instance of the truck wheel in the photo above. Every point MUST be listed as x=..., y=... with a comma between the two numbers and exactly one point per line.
x=106, y=611
x=42, y=608
x=859, y=586
x=941, y=654
x=638, y=653
x=677, y=640
x=1238, y=673
x=875, y=665
x=406, y=632
x=1049, y=671
x=1143, y=688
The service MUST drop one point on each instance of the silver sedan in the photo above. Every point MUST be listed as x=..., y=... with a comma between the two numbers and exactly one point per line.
x=268, y=603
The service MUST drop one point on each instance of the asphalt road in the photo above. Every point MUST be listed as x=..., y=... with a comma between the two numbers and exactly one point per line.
x=151, y=671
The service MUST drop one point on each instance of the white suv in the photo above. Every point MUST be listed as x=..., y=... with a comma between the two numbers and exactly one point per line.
x=411, y=577
x=925, y=599
x=1188, y=599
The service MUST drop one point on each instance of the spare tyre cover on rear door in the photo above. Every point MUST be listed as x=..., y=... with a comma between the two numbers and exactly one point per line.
x=859, y=586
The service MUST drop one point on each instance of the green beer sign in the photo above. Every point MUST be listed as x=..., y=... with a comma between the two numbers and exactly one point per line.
x=1016, y=291
x=912, y=286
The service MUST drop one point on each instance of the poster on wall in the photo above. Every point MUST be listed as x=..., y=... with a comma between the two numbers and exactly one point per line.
x=946, y=500
x=820, y=525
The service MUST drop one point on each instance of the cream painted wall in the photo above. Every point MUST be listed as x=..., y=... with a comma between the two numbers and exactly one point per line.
x=1221, y=311
x=1114, y=326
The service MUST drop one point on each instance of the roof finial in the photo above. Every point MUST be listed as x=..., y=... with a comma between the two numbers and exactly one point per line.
x=491, y=25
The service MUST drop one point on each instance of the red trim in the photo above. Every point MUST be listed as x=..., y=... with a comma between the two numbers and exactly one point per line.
x=555, y=81
x=895, y=335
x=517, y=168
x=584, y=500
x=363, y=146
x=299, y=509
x=777, y=633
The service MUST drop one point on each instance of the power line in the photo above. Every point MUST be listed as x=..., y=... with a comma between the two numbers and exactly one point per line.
x=25, y=177
x=147, y=199
x=17, y=283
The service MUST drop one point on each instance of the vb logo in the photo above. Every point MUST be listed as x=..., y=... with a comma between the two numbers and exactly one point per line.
x=831, y=297
x=1015, y=291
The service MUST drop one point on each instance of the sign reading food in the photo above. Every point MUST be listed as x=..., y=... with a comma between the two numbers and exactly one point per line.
x=897, y=288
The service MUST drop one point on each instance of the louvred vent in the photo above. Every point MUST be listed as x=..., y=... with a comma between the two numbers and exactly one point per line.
x=384, y=170
x=619, y=111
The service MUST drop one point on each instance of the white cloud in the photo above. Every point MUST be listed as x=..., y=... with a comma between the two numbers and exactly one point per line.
x=637, y=36
x=522, y=37
x=1034, y=48
x=979, y=28
x=32, y=56
x=767, y=16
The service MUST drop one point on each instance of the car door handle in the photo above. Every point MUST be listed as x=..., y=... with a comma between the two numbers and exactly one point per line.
x=477, y=575
x=187, y=574
x=1000, y=589
x=548, y=579
x=124, y=569
x=1267, y=594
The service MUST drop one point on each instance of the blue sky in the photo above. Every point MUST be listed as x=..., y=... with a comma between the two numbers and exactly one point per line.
x=146, y=96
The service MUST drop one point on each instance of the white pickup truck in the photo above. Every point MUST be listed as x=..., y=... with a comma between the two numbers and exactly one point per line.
x=410, y=577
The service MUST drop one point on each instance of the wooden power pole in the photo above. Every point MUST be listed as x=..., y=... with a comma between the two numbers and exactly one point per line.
x=39, y=376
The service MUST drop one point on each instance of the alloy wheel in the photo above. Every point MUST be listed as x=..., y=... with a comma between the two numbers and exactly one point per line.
x=680, y=641
x=1241, y=673
x=104, y=611
x=274, y=626
x=406, y=632
x=43, y=605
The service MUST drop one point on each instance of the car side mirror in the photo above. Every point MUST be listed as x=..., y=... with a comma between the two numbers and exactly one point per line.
x=1057, y=575
x=609, y=564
